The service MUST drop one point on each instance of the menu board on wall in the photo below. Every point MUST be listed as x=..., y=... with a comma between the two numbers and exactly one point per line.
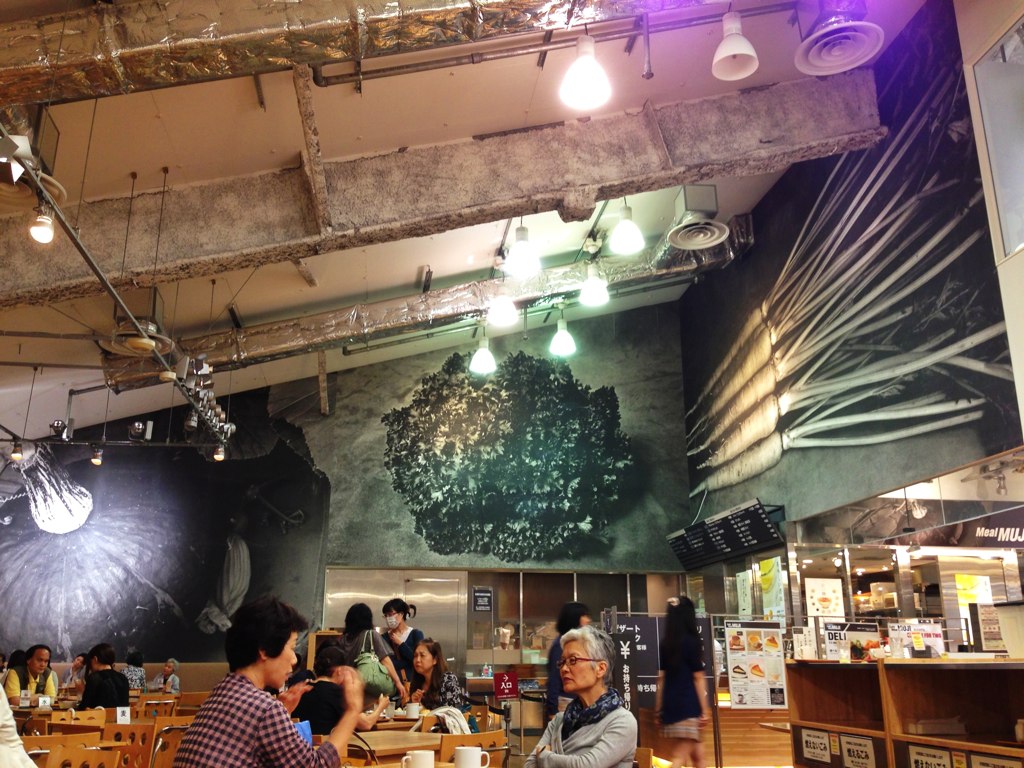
x=755, y=664
x=738, y=531
x=853, y=641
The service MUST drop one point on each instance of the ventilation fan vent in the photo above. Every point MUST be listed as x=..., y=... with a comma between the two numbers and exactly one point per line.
x=695, y=232
x=839, y=46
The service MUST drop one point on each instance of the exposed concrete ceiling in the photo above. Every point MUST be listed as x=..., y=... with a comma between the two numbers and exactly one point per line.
x=285, y=200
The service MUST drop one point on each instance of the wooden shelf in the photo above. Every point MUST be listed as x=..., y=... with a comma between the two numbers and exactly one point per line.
x=875, y=730
x=990, y=745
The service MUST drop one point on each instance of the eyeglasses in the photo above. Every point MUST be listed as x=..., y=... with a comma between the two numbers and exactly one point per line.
x=571, y=661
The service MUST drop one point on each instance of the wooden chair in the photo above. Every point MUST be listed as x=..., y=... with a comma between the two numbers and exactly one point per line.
x=82, y=717
x=488, y=741
x=130, y=755
x=77, y=727
x=485, y=719
x=81, y=757
x=192, y=698
x=62, y=740
x=140, y=734
x=165, y=745
x=163, y=722
x=425, y=723
x=34, y=726
x=643, y=757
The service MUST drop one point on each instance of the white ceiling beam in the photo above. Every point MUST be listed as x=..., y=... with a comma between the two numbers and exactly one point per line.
x=312, y=159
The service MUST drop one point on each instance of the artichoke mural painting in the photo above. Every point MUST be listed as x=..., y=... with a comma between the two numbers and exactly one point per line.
x=524, y=465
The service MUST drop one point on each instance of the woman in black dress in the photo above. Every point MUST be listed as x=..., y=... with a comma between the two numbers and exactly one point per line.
x=104, y=685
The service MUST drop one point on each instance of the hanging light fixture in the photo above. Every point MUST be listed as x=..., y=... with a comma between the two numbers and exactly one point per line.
x=219, y=453
x=42, y=228
x=97, y=455
x=17, y=454
x=502, y=312
x=562, y=343
x=594, y=292
x=585, y=85
x=17, y=450
x=483, y=363
x=626, y=238
x=735, y=58
x=522, y=260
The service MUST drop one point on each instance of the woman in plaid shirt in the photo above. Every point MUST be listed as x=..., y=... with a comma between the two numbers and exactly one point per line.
x=240, y=725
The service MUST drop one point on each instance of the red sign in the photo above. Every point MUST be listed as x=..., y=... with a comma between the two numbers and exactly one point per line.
x=506, y=685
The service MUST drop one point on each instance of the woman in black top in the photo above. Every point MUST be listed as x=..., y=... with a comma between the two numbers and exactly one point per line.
x=324, y=703
x=104, y=686
x=681, y=700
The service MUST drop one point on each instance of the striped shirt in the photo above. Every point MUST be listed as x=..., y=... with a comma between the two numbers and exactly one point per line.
x=240, y=726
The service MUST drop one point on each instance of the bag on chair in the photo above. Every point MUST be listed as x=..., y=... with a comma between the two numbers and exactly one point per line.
x=375, y=675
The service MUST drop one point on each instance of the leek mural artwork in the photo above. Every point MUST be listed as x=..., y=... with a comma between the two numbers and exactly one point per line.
x=874, y=340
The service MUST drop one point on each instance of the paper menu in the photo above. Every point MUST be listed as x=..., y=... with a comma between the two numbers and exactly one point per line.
x=754, y=662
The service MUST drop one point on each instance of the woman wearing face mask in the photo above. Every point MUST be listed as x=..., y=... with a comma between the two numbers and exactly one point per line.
x=402, y=639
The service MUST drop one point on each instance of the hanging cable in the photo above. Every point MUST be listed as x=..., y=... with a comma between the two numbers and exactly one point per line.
x=160, y=221
x=128, y=224
x=85, y=167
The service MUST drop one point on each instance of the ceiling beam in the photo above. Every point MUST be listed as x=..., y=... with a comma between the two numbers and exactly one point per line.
x=147, y=44
x=312, y=159
x=428, y=190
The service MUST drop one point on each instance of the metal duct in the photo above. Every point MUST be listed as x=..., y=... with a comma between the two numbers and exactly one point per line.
x=136, y=46
x=239, y=348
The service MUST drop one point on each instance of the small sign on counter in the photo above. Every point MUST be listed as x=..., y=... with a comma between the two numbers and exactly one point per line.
x=928, y=757
x=858, y=751
x=991, y=761
x=506, y=685
x=814, y=746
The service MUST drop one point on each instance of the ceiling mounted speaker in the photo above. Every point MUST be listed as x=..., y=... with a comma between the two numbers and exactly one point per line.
x=696, y=227
x=839, y=40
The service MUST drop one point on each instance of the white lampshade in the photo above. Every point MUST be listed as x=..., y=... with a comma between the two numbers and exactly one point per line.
x=562, y=343
x=522, y=260
x=42, y=228
x=594, y=292
x=585, y=85
x=626, y=238
x=483, y=363
x=735, y=57
x=502, y=312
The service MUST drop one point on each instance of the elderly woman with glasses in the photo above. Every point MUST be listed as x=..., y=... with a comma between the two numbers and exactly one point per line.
x=595, y=730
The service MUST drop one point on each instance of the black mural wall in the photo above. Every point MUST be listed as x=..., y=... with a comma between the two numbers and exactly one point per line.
x=860, y=346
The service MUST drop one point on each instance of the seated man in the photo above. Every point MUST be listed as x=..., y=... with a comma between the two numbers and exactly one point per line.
x=36, y=677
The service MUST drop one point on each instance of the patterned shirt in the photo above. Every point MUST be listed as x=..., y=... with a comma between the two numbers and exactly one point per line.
x=136, y=677
x=240, y=726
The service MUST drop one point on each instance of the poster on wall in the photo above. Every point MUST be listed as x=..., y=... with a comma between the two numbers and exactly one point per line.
x=853, y=641
x=773, y=594
x=916, y=638
x=824, y=597
x=985, y=628
x=744, y=594
x=755, y=664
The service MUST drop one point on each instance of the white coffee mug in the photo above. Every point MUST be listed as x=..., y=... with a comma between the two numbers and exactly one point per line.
x=412, y=709
x=419, y=758
x=471, y=757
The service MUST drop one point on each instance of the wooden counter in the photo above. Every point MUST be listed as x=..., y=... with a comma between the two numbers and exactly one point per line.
x=745, y=740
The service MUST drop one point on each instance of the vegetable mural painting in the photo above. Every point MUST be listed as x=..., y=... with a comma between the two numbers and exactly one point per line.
x=526, y=464
x=875, y=328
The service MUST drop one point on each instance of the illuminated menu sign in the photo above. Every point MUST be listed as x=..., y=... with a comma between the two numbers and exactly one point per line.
x=738, y=531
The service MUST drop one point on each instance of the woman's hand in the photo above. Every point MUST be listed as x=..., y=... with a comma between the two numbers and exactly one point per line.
x=416, y=696
x=290, y=698
x=704, y=719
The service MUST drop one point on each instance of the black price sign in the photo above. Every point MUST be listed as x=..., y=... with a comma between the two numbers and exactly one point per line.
x=738, y=531
x=483, y=599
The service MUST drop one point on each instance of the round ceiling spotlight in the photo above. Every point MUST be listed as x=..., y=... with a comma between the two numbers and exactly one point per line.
x=695, y=232
x=838, y=46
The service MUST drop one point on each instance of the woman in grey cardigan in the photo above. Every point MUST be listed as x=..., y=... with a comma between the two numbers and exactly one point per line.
x=595, y=730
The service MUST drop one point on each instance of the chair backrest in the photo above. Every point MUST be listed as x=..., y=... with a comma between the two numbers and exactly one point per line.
x=63, y=740
x=485, y=719
x=489, y=741
x=192, y=698
x=166, y=741
x=34, y=726
x=81, y=757
x=426, y=723
x=77, y=727
x=130, y=755
x=162, y=722
x=643, y=757
x=147, y=708
x=140, y=734
x=82, y=717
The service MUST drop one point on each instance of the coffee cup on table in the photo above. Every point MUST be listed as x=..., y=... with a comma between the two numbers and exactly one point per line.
x=419, y=758
x=471, y=757
x=412, y=709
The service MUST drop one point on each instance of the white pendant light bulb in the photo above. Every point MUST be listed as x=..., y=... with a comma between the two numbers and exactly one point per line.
x=42, y=228
x=594, y=292
x=219, y=454
x=585, y=85
x=735, y=58
x=97, y=456
x=502, y=312
x=626, y=238
x=483, y=363
x=17, y=453
x=562, y=343
x=522, y=260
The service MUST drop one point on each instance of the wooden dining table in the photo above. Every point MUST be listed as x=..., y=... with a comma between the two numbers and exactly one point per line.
x=394, y=743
